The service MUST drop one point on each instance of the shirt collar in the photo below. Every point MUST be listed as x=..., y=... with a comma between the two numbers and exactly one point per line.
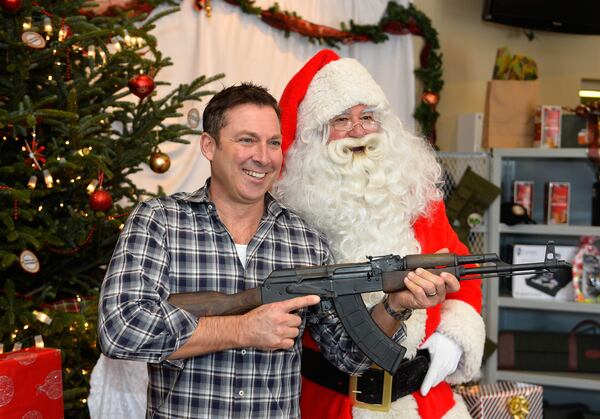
x=273, y=207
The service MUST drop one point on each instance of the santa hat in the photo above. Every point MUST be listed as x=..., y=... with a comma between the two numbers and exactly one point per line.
x=326, y=86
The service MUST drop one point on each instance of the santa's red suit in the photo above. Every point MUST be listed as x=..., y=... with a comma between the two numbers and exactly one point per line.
x=450, y=318
x=390, y=213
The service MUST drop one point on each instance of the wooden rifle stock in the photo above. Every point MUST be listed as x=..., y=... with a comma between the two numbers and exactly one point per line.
x=211, y=303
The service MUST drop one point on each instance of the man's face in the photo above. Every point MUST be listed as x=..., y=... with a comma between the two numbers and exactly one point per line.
x=248, y=158
x=359, y=119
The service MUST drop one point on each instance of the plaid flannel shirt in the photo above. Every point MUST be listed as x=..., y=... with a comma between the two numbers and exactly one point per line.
x=178, y=244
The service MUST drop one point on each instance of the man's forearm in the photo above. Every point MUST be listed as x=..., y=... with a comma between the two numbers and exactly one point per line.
x=213, y=334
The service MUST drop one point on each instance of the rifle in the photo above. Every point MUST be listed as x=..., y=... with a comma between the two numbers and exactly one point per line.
x=344, y=283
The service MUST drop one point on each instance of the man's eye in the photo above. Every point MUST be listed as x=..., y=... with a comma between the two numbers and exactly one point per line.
x=275, y=143
x=367, y=117
x=246, y=140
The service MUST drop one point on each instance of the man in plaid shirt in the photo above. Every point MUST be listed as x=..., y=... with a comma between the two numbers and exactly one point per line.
x=227, y=237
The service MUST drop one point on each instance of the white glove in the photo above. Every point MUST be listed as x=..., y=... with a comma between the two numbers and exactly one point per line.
x=445, y=355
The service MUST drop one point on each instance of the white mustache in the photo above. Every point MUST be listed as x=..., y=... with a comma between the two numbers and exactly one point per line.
x=341, y=151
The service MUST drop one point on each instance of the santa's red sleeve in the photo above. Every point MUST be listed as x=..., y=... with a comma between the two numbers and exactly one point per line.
x=459, y=316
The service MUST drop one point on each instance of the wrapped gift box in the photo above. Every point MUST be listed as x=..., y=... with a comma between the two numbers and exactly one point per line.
x=31, y=384
x=503, y=400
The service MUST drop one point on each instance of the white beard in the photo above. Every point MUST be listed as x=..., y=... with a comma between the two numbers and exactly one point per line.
x=365, y=202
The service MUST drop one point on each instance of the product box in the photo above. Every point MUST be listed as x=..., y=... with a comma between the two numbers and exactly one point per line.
x=547, y=126
x=503, y=400
x=573, y=131
x=31, y=384
x=557, y=202
x=523, y=195
x=546, y=286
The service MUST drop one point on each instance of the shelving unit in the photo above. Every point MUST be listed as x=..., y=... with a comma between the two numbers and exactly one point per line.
x=501, y=310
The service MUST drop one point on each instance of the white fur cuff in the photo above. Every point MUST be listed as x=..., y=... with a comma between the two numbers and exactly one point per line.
x=465, y=326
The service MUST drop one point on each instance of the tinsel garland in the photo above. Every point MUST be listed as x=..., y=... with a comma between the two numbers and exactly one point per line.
x=397, y=20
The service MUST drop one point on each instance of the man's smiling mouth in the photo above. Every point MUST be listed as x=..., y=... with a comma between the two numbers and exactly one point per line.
x=360, y=149
x=256, y=175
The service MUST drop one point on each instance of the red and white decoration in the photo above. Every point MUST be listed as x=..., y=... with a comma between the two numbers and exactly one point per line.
x=504, y=400
x=31, y=384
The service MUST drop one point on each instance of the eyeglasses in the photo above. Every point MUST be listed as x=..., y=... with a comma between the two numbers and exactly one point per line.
x=345, y=124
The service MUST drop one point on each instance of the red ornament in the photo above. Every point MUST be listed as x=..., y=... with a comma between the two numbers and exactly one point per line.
x=100, y=200
x=430, y=98
x=141, y=85
x=11, y=6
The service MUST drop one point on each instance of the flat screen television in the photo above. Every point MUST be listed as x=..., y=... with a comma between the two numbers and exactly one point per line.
x=578, y=16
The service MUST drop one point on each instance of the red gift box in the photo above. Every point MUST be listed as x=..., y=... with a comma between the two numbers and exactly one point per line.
x=31, y=384
x=503, y=400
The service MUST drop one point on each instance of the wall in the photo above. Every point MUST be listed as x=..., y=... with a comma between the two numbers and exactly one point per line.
x=469, y=45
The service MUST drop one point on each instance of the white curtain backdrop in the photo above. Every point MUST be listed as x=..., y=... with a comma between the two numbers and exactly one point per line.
x=246, y=49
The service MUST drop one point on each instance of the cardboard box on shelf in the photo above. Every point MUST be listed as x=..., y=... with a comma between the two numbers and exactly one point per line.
x=557, y=202
x=546, y=286
x=547, y=126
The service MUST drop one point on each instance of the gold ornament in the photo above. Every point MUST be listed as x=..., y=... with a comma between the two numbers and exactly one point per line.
x=159, y=162
x=518, y=407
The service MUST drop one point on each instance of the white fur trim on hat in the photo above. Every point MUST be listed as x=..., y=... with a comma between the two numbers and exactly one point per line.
x=338, y=86
x=463, y=324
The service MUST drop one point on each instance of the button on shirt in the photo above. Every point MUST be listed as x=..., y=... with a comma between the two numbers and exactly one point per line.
x=178, y=244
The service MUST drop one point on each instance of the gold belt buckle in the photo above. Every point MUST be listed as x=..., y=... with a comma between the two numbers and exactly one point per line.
x=386, y=395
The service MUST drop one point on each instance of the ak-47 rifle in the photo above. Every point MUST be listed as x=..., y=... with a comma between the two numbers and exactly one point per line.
x=344, y=284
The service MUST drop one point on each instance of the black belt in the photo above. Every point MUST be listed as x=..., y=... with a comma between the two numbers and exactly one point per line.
x=369, y=387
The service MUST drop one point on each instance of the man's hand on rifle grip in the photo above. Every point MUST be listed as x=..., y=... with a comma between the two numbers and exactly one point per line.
x=275, y=326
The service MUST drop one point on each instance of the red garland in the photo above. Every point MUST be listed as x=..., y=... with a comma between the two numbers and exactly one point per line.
x=15, y=203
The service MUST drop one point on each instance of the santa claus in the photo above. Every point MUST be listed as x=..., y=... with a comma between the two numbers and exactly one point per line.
x=353, y=172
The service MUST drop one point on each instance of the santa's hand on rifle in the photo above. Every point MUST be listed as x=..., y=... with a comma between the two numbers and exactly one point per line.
x=445, y=355
x=425, y=289
x=276, y=325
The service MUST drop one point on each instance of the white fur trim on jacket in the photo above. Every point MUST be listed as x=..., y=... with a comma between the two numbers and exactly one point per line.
x=406, y=408
x=328, y=94
x=462, y=323
x=415, y=332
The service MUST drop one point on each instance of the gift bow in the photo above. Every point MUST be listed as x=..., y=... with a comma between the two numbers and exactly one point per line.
x=518, y=407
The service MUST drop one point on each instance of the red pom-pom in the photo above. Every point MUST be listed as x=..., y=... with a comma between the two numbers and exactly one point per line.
x=100, y=200
x=11, y=6
x=141, y=85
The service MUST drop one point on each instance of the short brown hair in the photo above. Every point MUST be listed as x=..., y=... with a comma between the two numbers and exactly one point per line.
x=213, y=117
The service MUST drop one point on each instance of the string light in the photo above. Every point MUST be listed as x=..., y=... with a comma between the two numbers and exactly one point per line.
x=48, y=26
x=92, y=52
x=39, y=341
x=40, y=208
x=42, y=317
x=48, y=179
x=27, y=23
x=32, y=182
x=127, y=39
x=91, y=187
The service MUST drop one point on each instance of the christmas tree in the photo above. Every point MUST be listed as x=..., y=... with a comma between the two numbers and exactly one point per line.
x=78, y=116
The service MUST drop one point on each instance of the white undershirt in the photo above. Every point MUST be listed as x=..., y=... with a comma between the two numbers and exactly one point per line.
x=241, y=251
